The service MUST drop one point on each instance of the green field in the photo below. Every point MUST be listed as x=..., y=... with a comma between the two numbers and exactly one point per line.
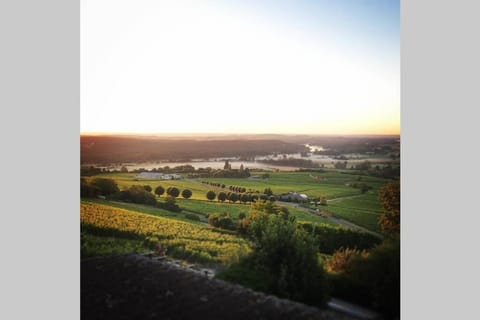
x=344, y=201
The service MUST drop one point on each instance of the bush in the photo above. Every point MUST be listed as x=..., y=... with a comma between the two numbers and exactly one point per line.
x=222, y=220
x=342, y=258
x=169, y=204
x=192, y=216
x=147, y=188
x=330, y=239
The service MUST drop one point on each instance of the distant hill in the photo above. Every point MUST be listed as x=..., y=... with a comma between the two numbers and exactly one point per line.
x=119, y=149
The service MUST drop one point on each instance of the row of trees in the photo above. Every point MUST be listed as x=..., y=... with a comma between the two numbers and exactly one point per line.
x=238, y=189
x=234, y=197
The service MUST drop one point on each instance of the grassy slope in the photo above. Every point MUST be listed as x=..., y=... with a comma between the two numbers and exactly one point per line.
x=103, y=246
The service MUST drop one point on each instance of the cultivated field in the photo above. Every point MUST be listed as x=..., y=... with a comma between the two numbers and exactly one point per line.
x=184, y=240
x=344, y=201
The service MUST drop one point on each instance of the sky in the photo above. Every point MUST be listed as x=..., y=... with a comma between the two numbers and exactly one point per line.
x=289, y=67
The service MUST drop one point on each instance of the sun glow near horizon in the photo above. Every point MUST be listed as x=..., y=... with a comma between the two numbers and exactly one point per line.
x=178, y=66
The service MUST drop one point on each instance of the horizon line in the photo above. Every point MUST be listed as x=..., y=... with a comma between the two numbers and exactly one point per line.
x=86, y=133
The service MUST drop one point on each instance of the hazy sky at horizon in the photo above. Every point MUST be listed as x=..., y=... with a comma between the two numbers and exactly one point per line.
x=247, y=66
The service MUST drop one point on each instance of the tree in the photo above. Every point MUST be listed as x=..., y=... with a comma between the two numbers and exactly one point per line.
x=211, y=195
x=244, y=198
x=222, y=196
x=105, y=186
x=159, y=190
x=173, y=191
x=289, y=256
x=147, y=188
x=390, y=218
x=123, y=169
x=233, y=197
x=187, y=193
x=227, y=165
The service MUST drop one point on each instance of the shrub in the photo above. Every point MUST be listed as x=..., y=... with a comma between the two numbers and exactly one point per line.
x=147, y=188
x=341, y=259
x=330, y=239
x=169, y=204
x=222, y=220
x=192, y=216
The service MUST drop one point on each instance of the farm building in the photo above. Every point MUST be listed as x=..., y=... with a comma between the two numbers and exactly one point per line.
x=292, y=196
x=158, y=175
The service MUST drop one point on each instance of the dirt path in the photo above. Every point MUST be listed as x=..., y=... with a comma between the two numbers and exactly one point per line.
x=345, y=197
x=138, y=287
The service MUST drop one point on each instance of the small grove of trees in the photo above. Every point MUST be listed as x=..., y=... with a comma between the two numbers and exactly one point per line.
x=135, y=194
x=211, y=195
x=97, y=186
x=159, y=190
x=187, y=193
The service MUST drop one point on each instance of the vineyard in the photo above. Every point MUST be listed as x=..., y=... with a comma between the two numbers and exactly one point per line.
x=182, y=240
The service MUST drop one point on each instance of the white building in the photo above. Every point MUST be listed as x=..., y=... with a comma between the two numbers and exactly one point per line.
x=158, y=175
